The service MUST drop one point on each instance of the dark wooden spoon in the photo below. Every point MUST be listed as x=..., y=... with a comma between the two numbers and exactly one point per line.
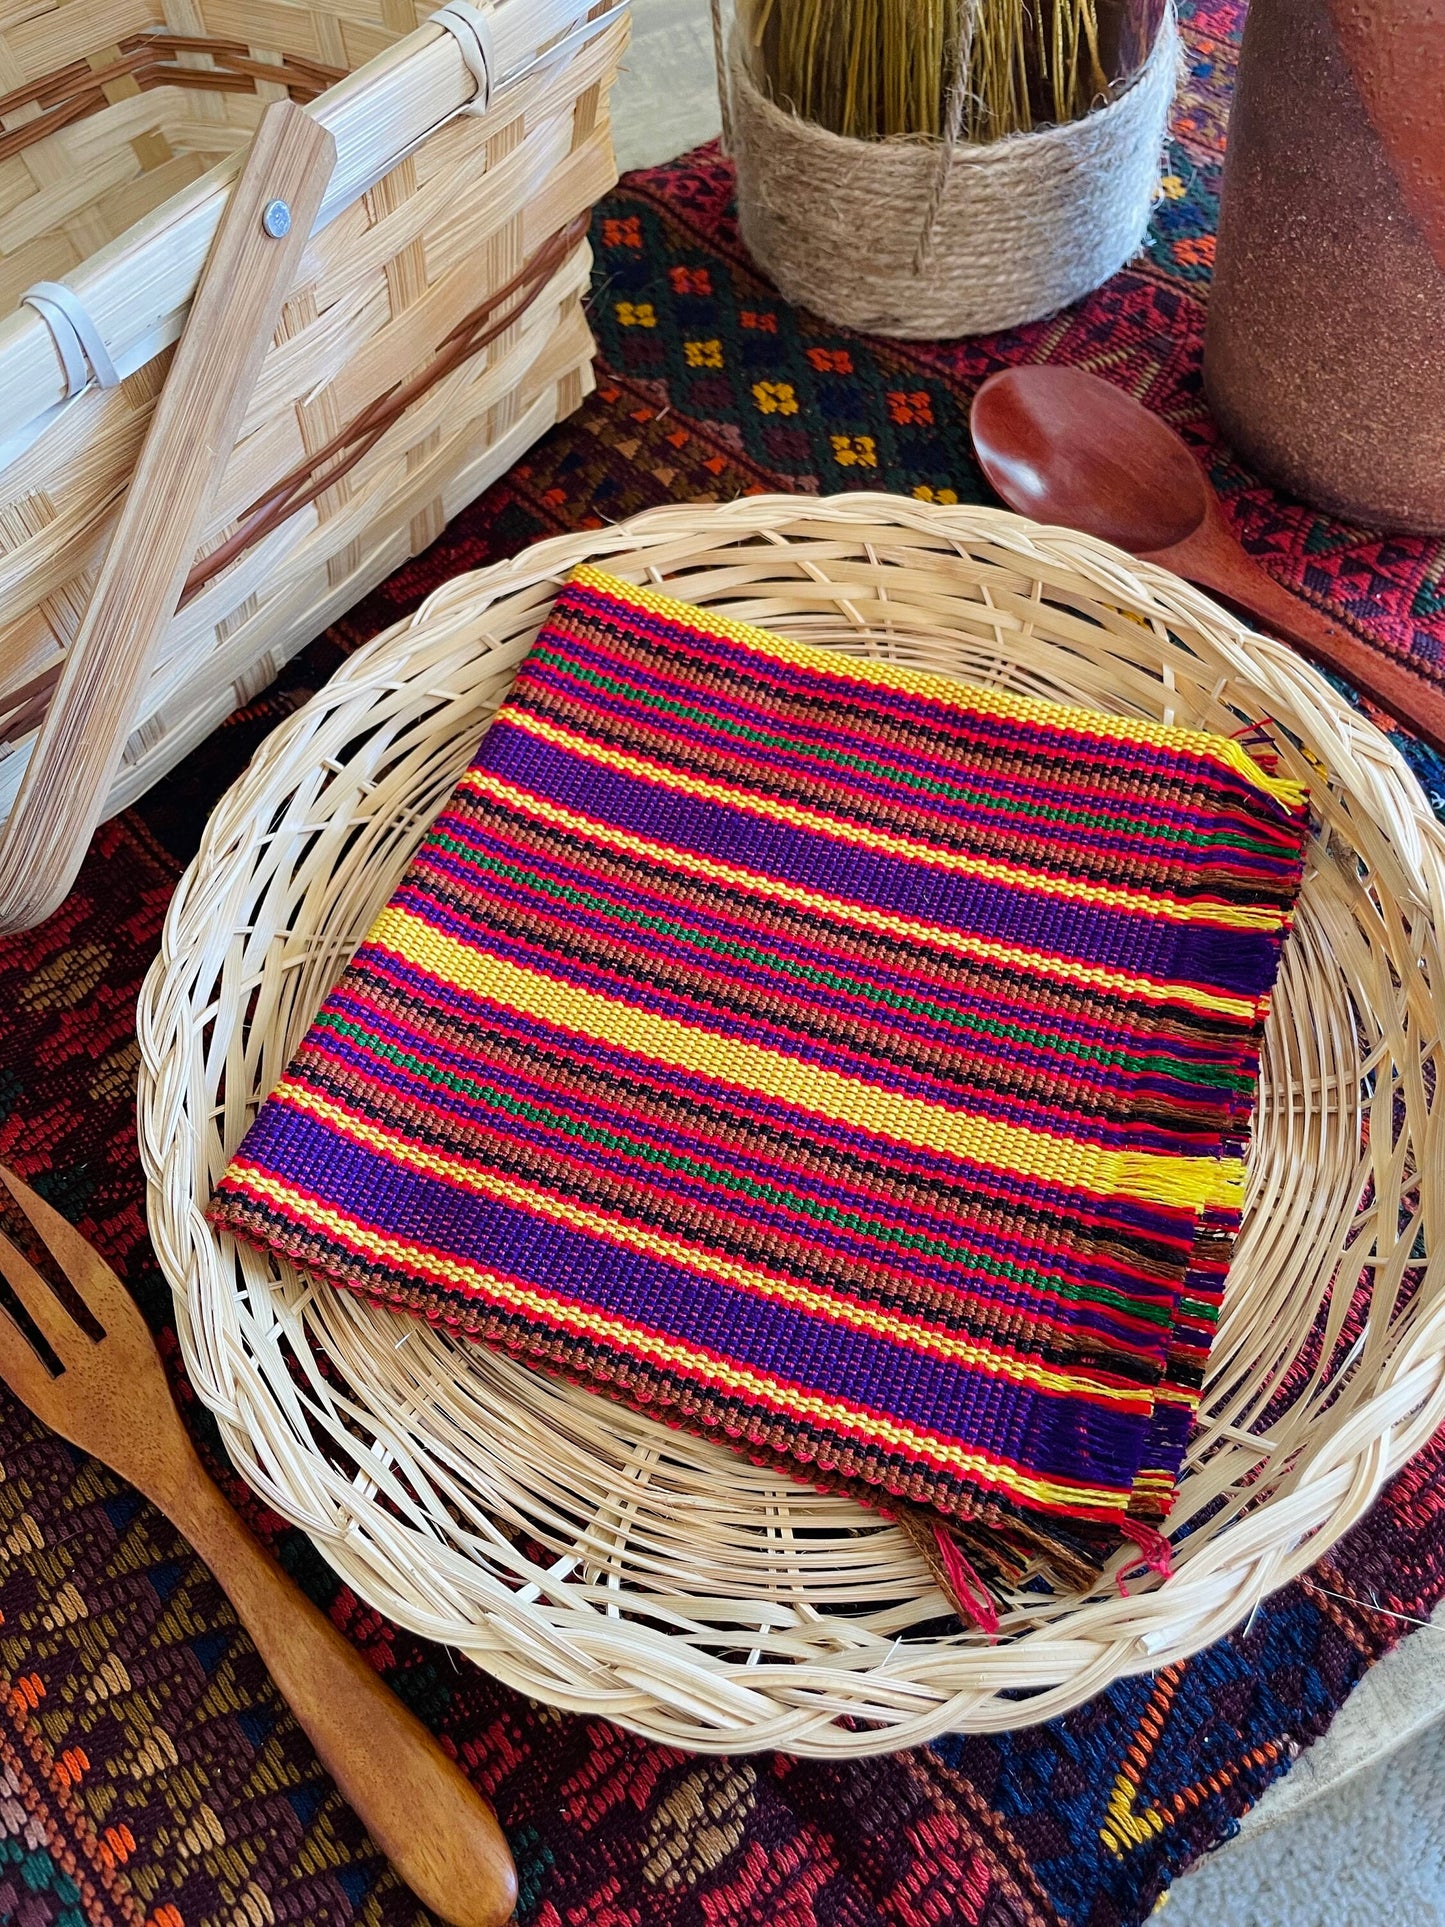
x=1064, y=446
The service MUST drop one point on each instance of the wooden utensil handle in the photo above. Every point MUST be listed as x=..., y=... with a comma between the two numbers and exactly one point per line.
x=197, y=418
x=430, y=1822
x=1415, y=703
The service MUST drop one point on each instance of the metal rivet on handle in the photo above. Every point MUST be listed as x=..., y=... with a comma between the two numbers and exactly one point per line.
x=276, y=219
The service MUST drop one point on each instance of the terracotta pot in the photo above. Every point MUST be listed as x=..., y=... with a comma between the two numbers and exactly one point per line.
x=1325, y=350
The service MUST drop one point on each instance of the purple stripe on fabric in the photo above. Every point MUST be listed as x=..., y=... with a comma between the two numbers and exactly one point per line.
x=496, y=835
x=1167, y=1439
x=1237, y=960
x=731, y=914
x=1066, y=1436
x=1065, y=1011
x=752, y=1221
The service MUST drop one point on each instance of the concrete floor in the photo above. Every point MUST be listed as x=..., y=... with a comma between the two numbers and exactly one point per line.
x=1369, y=1853
x=666, y=99
x=1354, y=1835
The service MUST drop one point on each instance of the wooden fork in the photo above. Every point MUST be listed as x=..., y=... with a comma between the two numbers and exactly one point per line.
x=104, y=1389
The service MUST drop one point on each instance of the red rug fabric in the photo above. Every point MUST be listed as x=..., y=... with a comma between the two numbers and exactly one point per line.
x=148, y=1773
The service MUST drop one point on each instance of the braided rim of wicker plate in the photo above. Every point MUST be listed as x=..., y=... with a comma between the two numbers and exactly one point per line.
x=604, y=1563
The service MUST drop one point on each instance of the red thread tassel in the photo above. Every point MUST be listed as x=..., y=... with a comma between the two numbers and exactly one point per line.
x=969, y=1592
x=1254, y=738
x=1155, y=1550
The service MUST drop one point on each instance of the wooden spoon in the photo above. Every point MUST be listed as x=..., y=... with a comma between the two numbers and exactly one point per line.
x=1062, y=446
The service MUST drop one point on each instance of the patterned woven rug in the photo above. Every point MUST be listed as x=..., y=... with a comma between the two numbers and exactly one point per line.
x=148, y=1773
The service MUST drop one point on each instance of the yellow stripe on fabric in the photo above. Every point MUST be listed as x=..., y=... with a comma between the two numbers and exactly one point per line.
x=916, y=1333
x=861, y=915
x=607, y=1329
x=1000, y=703
x=755, y=1070
x=797, y=816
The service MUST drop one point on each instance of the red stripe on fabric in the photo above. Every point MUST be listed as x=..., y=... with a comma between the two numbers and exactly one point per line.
x=649, y=1343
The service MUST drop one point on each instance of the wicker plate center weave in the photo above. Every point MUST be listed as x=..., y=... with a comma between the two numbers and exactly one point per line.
x=603, y=1562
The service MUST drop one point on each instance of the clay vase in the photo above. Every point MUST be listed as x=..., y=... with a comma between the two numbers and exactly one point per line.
x=1325, y=348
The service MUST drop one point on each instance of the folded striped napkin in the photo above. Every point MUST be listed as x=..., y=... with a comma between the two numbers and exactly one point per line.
x=820, y=1054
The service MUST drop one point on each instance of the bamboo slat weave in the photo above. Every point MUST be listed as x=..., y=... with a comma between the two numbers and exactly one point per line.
x=120, y=127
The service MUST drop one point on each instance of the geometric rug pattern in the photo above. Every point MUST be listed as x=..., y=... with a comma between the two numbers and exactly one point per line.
x=149, y=1773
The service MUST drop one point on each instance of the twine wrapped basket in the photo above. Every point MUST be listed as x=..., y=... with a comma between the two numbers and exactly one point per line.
x=929, y=239
x=604, y=1563
x=434, y=331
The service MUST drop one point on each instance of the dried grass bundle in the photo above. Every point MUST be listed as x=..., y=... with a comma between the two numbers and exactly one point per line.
x=881, y=69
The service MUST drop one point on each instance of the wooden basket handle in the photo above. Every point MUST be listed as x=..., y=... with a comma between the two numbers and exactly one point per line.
x=233, y=316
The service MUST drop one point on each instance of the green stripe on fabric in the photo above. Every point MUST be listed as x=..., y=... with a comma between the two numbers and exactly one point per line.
x=965, y=1023
x=490, y=1097
x=869, y=766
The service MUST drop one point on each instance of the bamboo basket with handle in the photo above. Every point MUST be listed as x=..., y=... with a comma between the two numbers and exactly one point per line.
x=433, y=331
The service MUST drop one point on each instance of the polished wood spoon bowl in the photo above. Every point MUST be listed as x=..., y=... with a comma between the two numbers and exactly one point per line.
x=77, y=1352
x=1066, y=447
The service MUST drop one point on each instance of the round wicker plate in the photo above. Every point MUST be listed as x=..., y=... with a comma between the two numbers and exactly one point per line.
x=604, y=1563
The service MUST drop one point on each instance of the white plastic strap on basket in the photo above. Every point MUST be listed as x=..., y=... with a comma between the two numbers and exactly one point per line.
x=83, y=353
x=472, y=31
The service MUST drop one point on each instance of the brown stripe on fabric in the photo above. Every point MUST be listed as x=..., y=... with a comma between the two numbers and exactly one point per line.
x=966, y=1065
x=766, y=1246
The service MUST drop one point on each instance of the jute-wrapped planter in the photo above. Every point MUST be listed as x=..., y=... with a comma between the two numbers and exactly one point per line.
x=602, y=1562
x=896, y=237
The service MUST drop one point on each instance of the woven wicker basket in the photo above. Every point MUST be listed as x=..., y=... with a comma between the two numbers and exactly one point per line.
x=590, y=1556
x=441, y=228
